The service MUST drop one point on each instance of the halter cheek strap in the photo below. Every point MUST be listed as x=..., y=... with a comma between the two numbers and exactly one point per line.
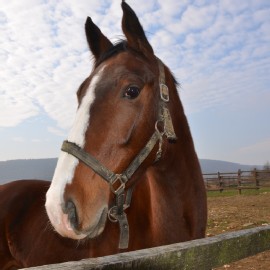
x=118, y=182
x=164, y=114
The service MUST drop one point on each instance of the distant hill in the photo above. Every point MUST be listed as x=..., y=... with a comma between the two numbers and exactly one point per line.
x=212, y=166
x=27, y=169
x=44, y=168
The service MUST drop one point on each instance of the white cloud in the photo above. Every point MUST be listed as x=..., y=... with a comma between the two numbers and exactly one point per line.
x=41, y=59
x=57, y=131
x=16, y=109
x=171, y=10
x=18, y=139
x=197, y=18
x=217, y=50
x=36, y=140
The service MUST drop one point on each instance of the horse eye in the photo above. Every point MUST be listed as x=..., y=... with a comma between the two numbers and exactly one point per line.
x=132, y=92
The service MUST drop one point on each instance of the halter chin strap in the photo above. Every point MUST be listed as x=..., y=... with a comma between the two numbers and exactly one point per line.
x=118, y=182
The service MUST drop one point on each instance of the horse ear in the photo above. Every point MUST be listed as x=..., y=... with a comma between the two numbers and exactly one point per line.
x=97, y=42
x=134, y=32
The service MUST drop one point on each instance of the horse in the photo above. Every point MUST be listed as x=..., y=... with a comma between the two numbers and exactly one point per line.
x=127, y=177
x=129, y=157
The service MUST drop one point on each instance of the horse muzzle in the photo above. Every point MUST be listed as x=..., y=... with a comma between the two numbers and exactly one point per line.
x=67, y=222
x=81, y=228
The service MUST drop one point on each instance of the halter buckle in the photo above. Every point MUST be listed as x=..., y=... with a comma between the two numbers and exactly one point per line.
x=118, y=184
x=164, y=92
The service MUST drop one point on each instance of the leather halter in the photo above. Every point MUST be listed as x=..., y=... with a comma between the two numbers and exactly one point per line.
x=118, y=182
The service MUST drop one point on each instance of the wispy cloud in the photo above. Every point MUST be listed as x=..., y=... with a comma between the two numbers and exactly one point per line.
x=57, y=131
x=209, y=46
x=259, y=146
x=36, y=140
x=260, y=149
x=18, y=139
x=218, y=50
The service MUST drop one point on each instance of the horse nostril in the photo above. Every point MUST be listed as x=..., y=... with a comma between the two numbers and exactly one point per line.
x=70, y=210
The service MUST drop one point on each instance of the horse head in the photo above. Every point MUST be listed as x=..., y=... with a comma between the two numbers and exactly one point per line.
x=120, y=124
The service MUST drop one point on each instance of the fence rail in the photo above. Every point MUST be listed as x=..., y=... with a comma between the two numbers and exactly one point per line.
x=203, y=254
x=239, y=180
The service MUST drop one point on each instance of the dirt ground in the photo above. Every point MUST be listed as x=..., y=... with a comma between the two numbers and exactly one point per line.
x=238, y=212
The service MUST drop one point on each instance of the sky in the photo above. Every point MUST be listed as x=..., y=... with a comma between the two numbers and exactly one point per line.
x=219, y=51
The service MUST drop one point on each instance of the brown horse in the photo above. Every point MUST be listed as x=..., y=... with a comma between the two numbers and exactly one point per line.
x=129, y=157
x=123, y=140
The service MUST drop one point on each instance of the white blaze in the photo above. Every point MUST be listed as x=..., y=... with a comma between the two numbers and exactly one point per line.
x=66, y=164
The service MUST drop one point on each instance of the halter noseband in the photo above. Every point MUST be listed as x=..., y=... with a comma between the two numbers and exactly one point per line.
x=118, y=182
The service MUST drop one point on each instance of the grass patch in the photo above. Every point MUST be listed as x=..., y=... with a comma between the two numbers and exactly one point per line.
x=234, y=192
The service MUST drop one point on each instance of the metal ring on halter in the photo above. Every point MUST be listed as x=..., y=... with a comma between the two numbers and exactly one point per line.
x=111, y=215
x=161, y=133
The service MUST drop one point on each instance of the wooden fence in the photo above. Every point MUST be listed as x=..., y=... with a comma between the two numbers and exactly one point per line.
x=239, y=180
x=203, y=254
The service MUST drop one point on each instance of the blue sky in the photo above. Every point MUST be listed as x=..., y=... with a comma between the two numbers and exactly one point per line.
x=218, y=50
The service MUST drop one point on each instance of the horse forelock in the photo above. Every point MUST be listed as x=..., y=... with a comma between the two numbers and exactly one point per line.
x=118, y=47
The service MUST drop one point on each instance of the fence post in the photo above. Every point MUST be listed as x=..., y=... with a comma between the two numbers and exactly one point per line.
x=256, y=178
x=220, y=182
x=239, y=181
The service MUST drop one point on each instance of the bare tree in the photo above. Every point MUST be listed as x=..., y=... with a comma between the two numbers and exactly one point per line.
x=266, y=166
